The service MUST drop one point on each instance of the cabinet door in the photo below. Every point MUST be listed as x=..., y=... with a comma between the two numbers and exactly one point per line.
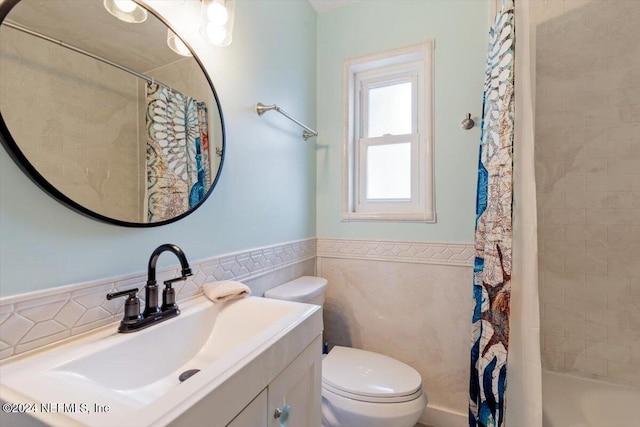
x=254, y=414
x=295, y=394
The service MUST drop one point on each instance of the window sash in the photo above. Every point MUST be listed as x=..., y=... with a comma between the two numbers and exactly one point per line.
x=395, y=205
x=367, y=83
x=374, y=79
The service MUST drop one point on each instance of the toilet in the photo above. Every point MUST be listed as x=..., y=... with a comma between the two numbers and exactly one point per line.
x=359, y=388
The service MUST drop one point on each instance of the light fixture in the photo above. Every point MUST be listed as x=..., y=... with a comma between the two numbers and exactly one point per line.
x=177, y=45
x=217, y=21
x=126, y=10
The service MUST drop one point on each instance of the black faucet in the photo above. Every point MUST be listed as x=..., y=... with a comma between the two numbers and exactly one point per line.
x=133, y=320
x=151, y=288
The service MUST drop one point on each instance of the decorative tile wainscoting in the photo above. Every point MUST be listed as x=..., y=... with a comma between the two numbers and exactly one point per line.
x=414, y=252
x=35, y=319
x=410, y=301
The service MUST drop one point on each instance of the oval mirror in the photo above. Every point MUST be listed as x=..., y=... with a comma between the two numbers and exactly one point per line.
x=101, y=113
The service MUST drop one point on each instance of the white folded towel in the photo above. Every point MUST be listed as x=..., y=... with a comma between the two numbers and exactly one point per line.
x=225, y=290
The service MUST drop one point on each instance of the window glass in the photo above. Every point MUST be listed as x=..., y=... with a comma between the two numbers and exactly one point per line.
x=388, y=171
x=390, y=110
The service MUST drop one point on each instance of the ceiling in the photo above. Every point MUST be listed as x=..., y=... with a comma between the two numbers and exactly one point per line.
x=141, y=47
x=87, y=25
x=326, y=5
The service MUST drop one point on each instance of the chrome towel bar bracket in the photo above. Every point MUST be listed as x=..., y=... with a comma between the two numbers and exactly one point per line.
x=306, y=134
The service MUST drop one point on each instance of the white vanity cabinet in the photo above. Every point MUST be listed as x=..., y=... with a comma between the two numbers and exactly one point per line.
x=252, y=356
x=255, y=414
x=292, y=399
x=299, y=387
x=251, y=398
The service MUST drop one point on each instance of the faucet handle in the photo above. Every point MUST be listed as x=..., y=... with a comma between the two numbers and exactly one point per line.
x=169, y=294
x=172, y=281
x=131, y=308
x=131, y=292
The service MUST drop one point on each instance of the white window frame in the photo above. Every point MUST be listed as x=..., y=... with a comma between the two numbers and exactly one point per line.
x=413, y=63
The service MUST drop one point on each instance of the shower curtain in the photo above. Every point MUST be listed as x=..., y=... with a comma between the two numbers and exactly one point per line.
x=178, y=170
x=505, y=344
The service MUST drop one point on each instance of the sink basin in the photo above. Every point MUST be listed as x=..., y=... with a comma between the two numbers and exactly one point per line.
x=106, y=378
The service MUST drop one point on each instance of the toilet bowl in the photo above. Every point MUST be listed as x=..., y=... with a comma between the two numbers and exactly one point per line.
x=359, y=388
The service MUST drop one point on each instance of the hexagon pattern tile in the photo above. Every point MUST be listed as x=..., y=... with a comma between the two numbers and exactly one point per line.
x=32, y=320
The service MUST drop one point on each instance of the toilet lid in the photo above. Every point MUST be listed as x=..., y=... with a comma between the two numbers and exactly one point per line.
x=299, y=290
x=368, y=374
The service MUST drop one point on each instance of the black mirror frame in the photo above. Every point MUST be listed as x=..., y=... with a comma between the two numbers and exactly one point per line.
x=23, y=163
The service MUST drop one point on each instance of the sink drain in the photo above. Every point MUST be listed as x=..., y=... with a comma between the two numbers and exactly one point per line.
x=187, y=374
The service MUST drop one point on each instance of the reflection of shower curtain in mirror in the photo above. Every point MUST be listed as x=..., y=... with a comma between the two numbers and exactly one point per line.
x=178, y=171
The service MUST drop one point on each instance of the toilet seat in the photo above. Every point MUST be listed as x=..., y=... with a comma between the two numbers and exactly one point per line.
x=371, y=399
x=369, y=377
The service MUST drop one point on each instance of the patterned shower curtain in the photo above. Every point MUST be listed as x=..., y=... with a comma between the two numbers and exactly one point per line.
x=178, y=171
x=492, y=269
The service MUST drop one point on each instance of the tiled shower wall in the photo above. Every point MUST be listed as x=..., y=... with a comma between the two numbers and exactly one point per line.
x=96, y=120
x=588, y=178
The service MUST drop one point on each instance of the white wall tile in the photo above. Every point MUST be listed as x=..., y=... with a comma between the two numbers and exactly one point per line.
x=552, y=327
x=590, y=71
x=586, y=199
x=585, y=265
x=552, y=295
x=629, y=166
x=586, y=166
x=585, y=365
x=635, y=354
x=612, y=318
x=624, y=267
x=588, y=300
x=612, y=352
x=608, y=183
x=607, y=149
x=624, y=372
x=553, y=360
x=563, y=313
x=564, y=345
x=586, y=331
x=415, y=312
x=564, y=216
x=624, y=132
x=610, y=216
x=623, y=336
x=565, y=280
x=558, y=248
x=586, y=232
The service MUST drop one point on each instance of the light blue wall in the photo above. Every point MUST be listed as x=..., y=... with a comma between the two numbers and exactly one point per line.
x=459, y=29
x=266, y=194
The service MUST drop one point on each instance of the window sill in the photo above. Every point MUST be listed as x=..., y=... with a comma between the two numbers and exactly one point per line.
x=427, y=217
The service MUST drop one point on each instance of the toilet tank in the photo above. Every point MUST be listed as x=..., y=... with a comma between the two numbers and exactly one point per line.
x=307, y=289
